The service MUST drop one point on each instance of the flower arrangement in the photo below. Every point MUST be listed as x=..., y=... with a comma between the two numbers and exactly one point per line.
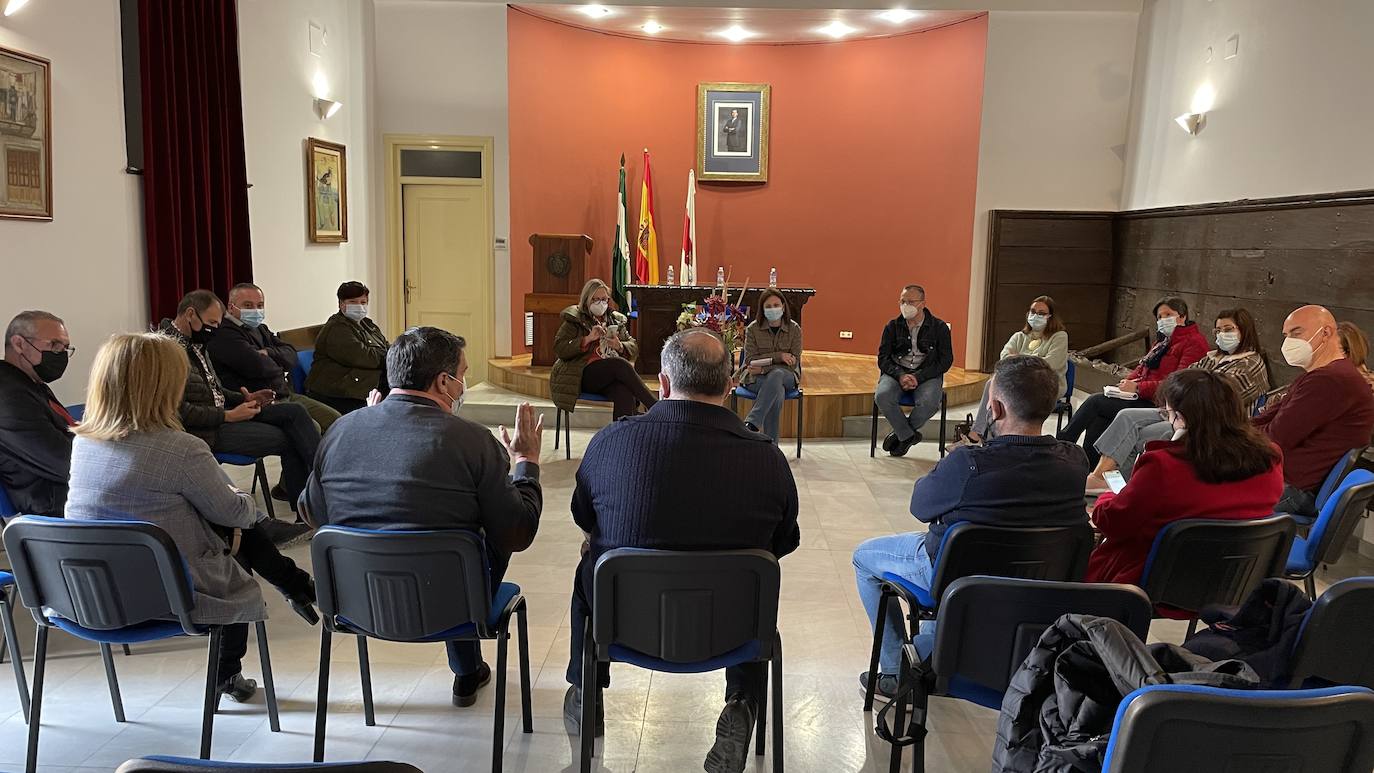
x=718, y=315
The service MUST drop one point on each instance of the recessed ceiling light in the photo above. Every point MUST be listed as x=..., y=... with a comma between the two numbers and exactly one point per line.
x=836, y=29
x=735, y=34
x=898, y=15
x=652, y=27
x=14, y=5
x=595, y=11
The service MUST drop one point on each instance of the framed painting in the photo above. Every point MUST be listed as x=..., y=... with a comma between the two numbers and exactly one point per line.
x=732, y=131
x=25, y=136
x=326, y=191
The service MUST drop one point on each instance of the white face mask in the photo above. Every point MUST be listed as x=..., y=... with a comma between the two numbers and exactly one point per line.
x=1228, y=341
x=772, y=313
x=458, y=401
x=1166, y=325
x=598, y=308
x=1037, y=321
x=355, y=311
x=1297, y=352
x=909, y=311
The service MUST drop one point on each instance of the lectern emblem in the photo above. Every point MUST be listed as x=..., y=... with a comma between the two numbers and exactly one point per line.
x=559, y=264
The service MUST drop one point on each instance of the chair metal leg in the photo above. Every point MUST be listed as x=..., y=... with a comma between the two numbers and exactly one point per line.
x=269, y=684
x=113, y=681
x=873, y=440
x=127, y=651
x=878, y=626
x=207, y=713
x=260, y=477
x=322, y=697
x=761, y=719
x=526, y=703
x=944, y=407
x=557, y=427
x=1192, y=628
x=589, y=696
x=778, y=744
x=499, y=723
x=567, y=437
x=365, y=674
x=40, y=662
x=16, y=656
x=1310, y=583
x=801, y=403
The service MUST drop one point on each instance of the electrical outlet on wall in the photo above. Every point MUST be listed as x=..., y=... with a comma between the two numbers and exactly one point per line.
x=846, y=334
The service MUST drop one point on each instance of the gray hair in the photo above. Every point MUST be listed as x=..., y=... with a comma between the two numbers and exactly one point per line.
x=25, y=324
x=242, y=286
x=200, y=300
x=1027, y=386
x=697, y=363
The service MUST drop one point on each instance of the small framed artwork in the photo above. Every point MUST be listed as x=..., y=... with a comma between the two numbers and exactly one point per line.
x=326, y=191
x=732, y=131
x=25, y=136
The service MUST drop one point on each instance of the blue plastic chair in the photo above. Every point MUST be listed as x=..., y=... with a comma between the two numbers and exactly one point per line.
x=1258, y=407
x=112, y=582
x=162, y=764
x=908, y=400
x=11, y=642
x=259, y=475
x=792, y=394
x=6, y=507
x=1063, y=409
x=564, y=426
x=1175, y=727
x=304, y=361
x=1335, y=523
x=77, y=412
x=1333, y=643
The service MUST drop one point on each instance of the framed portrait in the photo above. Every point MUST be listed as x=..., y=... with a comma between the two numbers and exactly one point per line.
x=326, y=191
x=25, y=136
x=732, y=131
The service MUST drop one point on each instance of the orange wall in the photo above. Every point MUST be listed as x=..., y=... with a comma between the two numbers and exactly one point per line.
x=872, y=172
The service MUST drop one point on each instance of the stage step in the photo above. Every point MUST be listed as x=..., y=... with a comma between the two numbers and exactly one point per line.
x=491, y=405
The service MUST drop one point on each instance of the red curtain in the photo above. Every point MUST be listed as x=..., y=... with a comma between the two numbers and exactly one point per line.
x=195, y=184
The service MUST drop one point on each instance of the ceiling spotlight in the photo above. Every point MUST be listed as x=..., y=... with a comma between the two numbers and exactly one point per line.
x=327, y=107
x=652, y=27
x=898, y=15
x=14, y=5
x=836, y=29
x=735, y=34
x=595, y=11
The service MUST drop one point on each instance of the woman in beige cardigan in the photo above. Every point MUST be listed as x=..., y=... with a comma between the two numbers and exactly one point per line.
x=595, y=354
x=772, y=336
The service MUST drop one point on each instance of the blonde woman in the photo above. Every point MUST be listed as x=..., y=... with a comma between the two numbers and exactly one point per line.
x=596, y=354
x=131, y=460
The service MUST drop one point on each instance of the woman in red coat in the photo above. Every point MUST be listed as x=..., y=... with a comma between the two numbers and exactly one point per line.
x=1178, y=344
x=1217, y=466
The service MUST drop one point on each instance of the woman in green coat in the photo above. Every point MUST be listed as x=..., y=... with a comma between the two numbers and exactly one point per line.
x=596, y=354
x=350, y=354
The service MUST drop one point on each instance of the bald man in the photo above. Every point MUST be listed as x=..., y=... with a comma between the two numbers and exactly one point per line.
x=1328, y=411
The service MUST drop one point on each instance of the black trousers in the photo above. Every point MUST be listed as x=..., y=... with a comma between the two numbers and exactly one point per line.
x=341, y=404
x=616, y=379
x=1092, y=418
x=280, y=429
x=259, y=556
x=747, y=680
x=233, y=645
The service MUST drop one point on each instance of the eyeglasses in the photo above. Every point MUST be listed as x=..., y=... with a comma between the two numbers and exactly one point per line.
x=69, y=350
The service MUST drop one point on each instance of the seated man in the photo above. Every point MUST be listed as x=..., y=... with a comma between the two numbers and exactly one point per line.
x=640, y=485
x=1021, y=477
x=408, y=463
x=248, y=355
x=1328, y=410
x=35, y=434
x=913, y=356
x=244, y=423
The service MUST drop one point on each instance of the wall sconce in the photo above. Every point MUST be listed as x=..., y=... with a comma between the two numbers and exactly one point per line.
x=326, y=107
x=1192, y=122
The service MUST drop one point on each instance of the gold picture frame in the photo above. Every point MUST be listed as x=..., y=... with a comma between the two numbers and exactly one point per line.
x=326, y=191
x=25, y=136
x=732, y=131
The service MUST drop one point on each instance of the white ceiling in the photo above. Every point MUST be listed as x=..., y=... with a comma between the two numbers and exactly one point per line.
x=767, y=25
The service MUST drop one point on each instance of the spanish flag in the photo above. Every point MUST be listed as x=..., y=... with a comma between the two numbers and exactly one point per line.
x=646, y=247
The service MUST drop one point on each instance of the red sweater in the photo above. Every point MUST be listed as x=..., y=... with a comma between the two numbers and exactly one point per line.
x=1186, y=346
x=1327, y=412
x=1165, y=488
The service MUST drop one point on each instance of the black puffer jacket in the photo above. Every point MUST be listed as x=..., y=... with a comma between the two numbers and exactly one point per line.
x=1261, y=631
x=1058, y=711
x=199, y=414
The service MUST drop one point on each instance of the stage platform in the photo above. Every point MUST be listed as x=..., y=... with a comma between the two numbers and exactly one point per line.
x=836, y=385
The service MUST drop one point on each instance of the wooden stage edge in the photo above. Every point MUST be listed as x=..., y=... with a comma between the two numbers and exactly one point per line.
x=836, y=385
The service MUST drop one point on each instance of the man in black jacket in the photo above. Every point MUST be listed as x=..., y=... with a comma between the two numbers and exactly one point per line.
x=913, y=356
x=640, y=484
x=35, y=439
x=408, y=463
x=248, y=355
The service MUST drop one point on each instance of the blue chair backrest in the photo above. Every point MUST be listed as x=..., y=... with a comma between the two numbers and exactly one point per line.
x=1068, y=377
x=1057, y=553
x=1339, y=517
x=304, y=360
x=989, y=624
x=1333, y=643
x=1189, y=728
x=1258, y=407
x=6, y=505
x=163, y=764
x=1198, y=562
x=77, y=412
x=1338, y=472
x=685, y=606
x=401, y=585
x=102, y=575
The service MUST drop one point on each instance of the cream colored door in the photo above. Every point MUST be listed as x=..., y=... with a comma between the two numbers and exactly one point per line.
x=448, y=266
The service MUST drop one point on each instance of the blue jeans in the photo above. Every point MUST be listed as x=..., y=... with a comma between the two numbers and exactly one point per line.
x=771, y=388
x=927, y=399
x=903, y=555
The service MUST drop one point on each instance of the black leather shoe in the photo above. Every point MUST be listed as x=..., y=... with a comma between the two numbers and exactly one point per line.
x=734, y=731
x=749, y=426
x=304, y=604
x=465, y=687
x=572, y=713
x=890, y=442
x=238, y=689
x=285, y=535
x=905, y=445
x=279, y=493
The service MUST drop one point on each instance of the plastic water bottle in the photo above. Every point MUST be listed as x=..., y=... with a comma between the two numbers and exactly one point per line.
x=720, y=276
x=773, y=277
x=670, y=276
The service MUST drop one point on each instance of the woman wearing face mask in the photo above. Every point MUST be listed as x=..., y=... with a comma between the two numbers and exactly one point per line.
x=775, y=337
x=1237, y=356
x=350, y=354
x=1178, y=344
x=595, y=354
x=1043, y=336
x=1217, y=465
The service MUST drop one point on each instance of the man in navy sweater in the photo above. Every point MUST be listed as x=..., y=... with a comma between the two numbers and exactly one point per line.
x=641, y=483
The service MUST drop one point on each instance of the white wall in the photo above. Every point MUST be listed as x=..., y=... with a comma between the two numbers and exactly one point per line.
x=1056, y=95
x=279, y=73
x=1292, y=112
x=87, y=265
x=441, y=69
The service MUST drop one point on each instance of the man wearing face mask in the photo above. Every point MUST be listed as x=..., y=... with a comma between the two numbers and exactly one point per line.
x=35, y=434
x=408, y=463
x=913, y=356
x=350, y=354
x=1328, y=411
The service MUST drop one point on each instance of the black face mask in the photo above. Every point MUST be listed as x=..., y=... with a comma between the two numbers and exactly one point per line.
x=51, y=367
x=202, y=337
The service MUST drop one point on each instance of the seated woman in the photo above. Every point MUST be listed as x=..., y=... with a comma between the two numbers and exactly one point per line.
x=131, y=459
x=595, y=354
x=1237, y=356
x=350, y=354
x=1218, y=465
x=1043, y=336
x=775, y=337
x=1178, y=344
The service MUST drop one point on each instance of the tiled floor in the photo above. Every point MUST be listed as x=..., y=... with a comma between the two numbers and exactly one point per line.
x=655, y=722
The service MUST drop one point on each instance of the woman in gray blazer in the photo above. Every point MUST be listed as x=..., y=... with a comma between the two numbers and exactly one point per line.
x=132, y=461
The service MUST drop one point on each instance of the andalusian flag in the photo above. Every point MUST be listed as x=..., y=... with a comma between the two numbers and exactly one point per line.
x=646, y=251
x=687, y=272
x=620, y=255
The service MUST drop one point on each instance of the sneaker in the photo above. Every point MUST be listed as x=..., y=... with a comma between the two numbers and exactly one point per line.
x=905, y=445
x=572, y=713
x=884, y=690
x=890, y=442
x=734, y=732
x=285, y=535
x=465, y=687
x=238, y=689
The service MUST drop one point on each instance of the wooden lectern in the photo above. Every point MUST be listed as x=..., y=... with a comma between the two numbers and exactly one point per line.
x=560, y=270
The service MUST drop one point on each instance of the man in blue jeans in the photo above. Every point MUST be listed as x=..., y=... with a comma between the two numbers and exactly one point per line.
x=1021, y=477
x=913, y=356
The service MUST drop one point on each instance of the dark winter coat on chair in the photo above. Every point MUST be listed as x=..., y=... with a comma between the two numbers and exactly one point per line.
x=1261, y=631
